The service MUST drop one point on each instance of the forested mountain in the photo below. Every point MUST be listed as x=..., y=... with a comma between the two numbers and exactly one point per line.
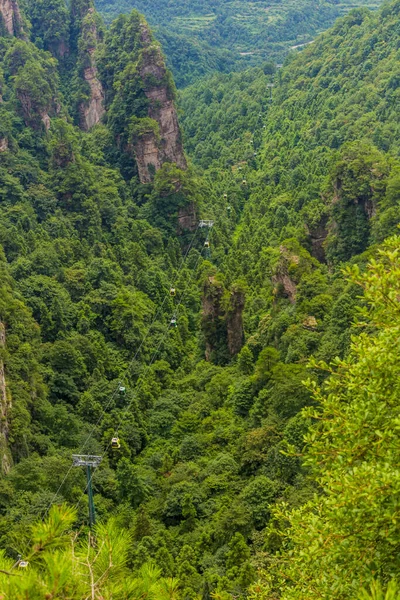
x=219, y=328
x=202, y=37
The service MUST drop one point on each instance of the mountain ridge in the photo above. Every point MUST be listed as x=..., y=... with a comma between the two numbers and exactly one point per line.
x=216, y=36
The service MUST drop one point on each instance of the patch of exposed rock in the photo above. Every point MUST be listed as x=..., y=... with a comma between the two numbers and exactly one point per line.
x=34, y=116
x=151, y=150
x=12, y=18
x=92, y=110
x=60, y=49
x=187, y=218
x=284, y=284
x=234, y=322
x=211, y=315
x=222, y=319
x=318, y=235
x=5, y=405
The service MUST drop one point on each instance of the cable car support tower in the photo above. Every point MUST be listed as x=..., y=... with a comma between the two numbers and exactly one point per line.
x=90, y=462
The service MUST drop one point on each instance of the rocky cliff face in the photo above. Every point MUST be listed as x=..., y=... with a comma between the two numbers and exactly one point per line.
x=187, y=218
x=33, y=115
x=152, y=151
x=60, y=49
x=317, y=236
x=212, y=324
x=5, y=405
x=222, y=320
x=234, y=321
x=282, y=280
x=91, y=110
x=12, y=18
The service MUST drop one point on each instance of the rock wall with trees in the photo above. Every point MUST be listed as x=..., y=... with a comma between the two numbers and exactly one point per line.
x=224, y=451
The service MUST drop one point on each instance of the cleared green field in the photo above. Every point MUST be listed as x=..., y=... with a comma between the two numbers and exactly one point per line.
x=195, y=23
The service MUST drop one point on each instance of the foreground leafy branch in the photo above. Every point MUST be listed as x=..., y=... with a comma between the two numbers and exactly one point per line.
x=348, y=537
x=75, y=567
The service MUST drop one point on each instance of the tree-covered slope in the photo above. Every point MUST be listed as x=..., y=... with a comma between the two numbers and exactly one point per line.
x=203, y=37
x=346, y=538
x=223, y=116
x=320, y=189
x=120, y=317
x=332, y=127
x=340, y=90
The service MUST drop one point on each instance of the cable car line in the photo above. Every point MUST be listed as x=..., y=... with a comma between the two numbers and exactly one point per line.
x=118, y=389
x=115, y=441
x=44, y=513
x=176, y=314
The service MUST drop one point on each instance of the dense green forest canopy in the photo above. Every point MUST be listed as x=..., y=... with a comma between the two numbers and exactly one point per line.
x=205, y=36
x=121, y=317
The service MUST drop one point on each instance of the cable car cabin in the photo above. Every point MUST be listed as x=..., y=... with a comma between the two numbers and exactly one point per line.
x=173, y=322
x=115, y=443
x=172, y=292
x=121, y=390
x=229, y=208
x=225, y=195
x=244, y=182
x=22, y=564
x=206, y=244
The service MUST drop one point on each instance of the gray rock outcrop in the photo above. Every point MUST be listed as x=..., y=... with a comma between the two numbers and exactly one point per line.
x=152, y=151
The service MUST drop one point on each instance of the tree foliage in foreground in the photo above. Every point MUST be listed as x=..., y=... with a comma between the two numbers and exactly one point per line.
x=348, y=535
x=81, y=565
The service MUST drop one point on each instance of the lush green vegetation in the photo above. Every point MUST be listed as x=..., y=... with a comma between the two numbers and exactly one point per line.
x=65, y=565
x=323, y=185
x=349, y=533
x=202, y=37
x=234, y=479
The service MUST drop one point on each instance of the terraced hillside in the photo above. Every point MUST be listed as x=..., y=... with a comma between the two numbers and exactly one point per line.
x=202, y=37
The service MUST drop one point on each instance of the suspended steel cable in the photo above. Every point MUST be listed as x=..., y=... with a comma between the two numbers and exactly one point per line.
x=113, y=395
x=127, y=409
x=44, y=512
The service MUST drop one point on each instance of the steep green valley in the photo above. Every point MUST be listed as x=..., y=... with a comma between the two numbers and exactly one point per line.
x=200, y=290
x=202, y=37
